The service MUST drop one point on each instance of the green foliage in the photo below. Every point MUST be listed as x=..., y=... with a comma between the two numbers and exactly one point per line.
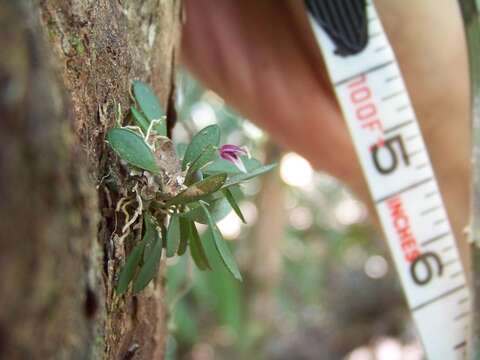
x=205, y=194
x=221, y=246
x=233, y=203
x=149, y=268
x=237, y=179
x=184, y=235
x=209, y=136
x=218, y=207
x=128, y=270
x=139, y=119
x=173, y=235
x=150, y=106
x=151, y=235
x=224, y=166
x=127, y=273
x=199, y=190
x=132, y=148
x=196, y=248
x=208, y=153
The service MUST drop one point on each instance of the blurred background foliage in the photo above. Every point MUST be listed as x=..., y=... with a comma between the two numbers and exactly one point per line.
x=318, y=281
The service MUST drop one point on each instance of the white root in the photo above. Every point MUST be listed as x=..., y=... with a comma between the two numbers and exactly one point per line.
x=137, y=212
x=149, y=131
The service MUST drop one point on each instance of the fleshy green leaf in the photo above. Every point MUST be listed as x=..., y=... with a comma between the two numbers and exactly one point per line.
x=199, y=190
x=150, y=236
x=132, y=148
x=150, y=268
x=237, y=179
x=184, y=235
x=173, y=235
x=223, y=166
x=217, y=206
x=128, y=270
x=222, y=247
x=207, y=136
x=149, y=104
x=196, y=248
x=233, y=203
x=140, y=120
x=133, y=260
x=208, y=154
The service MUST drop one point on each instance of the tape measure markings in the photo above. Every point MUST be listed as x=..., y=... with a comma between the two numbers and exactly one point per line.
x=436, y=238
x=364, y=72
x=438, y=297
x=375, y=103
x=404, y=190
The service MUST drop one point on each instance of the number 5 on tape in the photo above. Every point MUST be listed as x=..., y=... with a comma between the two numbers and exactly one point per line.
x=374, y=101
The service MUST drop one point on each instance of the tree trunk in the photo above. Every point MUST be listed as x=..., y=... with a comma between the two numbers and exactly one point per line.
x=65, y=67
x=265, y=267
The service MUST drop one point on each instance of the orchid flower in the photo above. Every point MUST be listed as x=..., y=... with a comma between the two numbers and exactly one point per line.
x=232, y=153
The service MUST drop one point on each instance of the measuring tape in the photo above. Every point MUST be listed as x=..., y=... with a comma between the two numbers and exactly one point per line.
x=375, y=103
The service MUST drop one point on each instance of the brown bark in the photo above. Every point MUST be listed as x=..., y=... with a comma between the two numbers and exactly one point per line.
x=65, y=65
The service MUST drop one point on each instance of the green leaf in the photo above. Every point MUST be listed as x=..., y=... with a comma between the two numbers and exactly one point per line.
x=149, y=104
x=147, y=100
x=140, y=120
x=196, y=249
x=222, y=247
x=207, y=136
x=199, y=190
x=225, y=166
x=237, y=179
x=144, y=247
x=132, y=148
x=218, y=207
x=128, y=270
x=149, y=269
x=233, y=203
x=184, y=235
x=208, y=154
x=173, y=235
x=150, y=236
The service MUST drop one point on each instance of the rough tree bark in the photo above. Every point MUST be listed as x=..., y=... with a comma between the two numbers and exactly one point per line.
x=65, y=65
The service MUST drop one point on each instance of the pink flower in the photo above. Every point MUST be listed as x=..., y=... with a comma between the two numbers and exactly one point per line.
x=232, y=153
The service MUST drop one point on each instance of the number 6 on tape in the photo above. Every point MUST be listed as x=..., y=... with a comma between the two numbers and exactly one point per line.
x=374, y=101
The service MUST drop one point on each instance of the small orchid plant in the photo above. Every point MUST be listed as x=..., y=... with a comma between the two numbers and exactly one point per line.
x=171, y=195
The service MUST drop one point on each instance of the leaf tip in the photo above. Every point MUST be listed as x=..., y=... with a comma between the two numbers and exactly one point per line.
x=239, y=277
